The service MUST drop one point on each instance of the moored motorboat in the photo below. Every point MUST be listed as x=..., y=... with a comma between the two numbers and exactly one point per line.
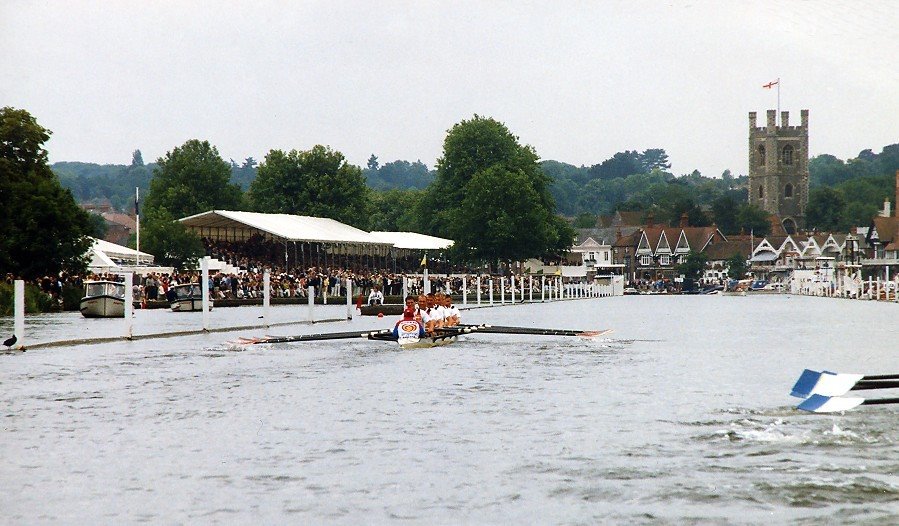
x=187, y=297
x=103, y=299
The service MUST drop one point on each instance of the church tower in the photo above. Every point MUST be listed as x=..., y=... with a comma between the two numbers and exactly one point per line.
x=778, y=168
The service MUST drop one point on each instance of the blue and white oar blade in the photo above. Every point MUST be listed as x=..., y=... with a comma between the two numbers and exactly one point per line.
x=836, y=384
x=806, y=382
x=829, y=404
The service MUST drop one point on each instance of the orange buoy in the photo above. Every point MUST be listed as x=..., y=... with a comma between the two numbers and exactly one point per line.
x=380, y=314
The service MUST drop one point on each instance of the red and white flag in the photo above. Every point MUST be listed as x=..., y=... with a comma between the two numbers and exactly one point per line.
x=771, y=84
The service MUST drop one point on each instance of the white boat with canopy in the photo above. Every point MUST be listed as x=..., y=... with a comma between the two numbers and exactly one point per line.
x=103, y=299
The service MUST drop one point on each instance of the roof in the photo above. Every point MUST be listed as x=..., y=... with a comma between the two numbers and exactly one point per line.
x=413, y=240
x=284, y=226
x=118, y=251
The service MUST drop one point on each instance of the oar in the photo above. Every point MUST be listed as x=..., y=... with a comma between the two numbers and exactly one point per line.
x=832, y=404
x=318, y=337
x=832, y=384
x=499, y=329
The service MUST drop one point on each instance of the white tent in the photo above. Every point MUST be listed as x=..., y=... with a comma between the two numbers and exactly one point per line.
x=106, y=254
x=239, y=226
x=413, y=241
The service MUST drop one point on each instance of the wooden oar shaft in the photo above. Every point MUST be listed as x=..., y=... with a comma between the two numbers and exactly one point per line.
x=528, y=330
x=881, y=377
x=875, y=384
x=320, y=337
x=880, y=401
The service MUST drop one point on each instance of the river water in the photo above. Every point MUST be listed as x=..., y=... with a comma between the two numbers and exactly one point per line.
x=681, y=415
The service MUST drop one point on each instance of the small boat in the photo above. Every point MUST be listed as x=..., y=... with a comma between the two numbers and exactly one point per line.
x=103, y=299
x=187, y=297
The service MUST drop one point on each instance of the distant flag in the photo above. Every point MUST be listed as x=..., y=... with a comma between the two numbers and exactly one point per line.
x=424, y=260
x=136, y=204
x=771, y=84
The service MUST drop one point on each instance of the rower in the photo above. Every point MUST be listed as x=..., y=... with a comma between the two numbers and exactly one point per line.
x=424, y=315
x=454, y=317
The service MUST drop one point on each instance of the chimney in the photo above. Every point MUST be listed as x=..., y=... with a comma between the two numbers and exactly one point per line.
x=649, y=220
x=684, y=220
x=618, y=234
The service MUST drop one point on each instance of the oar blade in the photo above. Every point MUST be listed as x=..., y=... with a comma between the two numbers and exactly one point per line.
x=829, y=404
x=824, y=383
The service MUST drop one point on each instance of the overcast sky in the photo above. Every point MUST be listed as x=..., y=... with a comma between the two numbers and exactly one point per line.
x=579, y=81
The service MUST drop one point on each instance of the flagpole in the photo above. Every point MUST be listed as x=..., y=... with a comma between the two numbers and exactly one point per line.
x=778, y=99
x=137, y=222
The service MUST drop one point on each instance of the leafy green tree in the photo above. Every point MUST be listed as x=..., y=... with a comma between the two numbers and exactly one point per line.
x=825, y=209
x=621, y=164
x=654, y=159
x=492, y=197
x=137, y=159
x=692, y=268
x=584, y=220
x=318, y=182
x=754, y=220
x=244, y=174
x=169, y=241
x=736, y=266
x=42, y=230
x=724, y=212
x=191, y=179
x=394, y=210
x=372, y=163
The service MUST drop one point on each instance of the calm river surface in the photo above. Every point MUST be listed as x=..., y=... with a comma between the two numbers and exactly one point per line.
x=682, y=415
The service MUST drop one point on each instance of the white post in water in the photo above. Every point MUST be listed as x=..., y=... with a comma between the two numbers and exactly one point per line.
x=490, y=284
x=531, y=289
x=512, y=286
x=19, y=311
x=478, y=285
x=561, y=288
x=542, y=289
x=465, y=290
x=349, y=298
x=266, y=294
x=310, y=293
x=204, y=267
x=426, y=286
x=502, y=290
x=129, y=305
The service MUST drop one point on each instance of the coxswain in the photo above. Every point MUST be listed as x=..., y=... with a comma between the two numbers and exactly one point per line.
x=408, y=317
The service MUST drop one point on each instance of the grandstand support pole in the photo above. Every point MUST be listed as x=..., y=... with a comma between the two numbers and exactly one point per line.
x=204, y=267
x=310, y=293
x=266, y=294
x=349, y=298
x=426, y=285
x=129, y=305
x=405, y=288
x=19, y=312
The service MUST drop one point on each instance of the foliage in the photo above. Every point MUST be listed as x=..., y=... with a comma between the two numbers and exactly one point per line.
x=170, y=241
x=112, y=182
x=42, y=230
x=394, y=210
x=736, y=266
x=692, y=268
x=36, y=300
x=137, y=158
x=318, y=182
x=584, y=220
x=491, y=196
x=754, y=220
x=400, y=175
x=825, y=209
x=244, y=174
x=192, y=179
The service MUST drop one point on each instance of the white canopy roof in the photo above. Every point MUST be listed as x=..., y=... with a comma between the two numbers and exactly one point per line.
x=285, y=226
x=413, y=241
x=108, y=252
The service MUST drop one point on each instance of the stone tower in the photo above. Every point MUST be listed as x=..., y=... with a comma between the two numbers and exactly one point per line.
x=778, y=168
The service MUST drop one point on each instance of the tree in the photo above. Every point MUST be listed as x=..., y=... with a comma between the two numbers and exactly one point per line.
x=724, y=211
x=42, y=230
x=825, y=209
x=170, y=241
x=736, y=266
x=318, y=182
x=492, y=197
x=584, y=220
x=192, y=179
x=692, y=268
x=394, y=210
x=753, y=219
x=654, y=158
x=137, y=159
x=372, y=162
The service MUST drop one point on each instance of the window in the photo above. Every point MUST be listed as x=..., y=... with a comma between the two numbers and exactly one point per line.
x=605, y=256
x=664, y=260
x=762, y=154
x=646, y=260
x=787, y=156
x=788, y=191
x=761, y=192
